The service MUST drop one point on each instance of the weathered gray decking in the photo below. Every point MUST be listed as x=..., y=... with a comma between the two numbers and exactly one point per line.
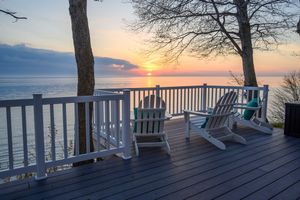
x=267, y=167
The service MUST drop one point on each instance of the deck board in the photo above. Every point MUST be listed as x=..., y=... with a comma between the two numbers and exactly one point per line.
x=267, y=167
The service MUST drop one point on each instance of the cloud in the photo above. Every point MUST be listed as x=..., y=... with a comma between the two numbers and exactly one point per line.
x=23, y=60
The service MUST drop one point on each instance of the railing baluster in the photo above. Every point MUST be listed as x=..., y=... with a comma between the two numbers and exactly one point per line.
x=166, y=100
x=243, y=94
x=173, y=102
x=192, y=95
x=144, y=97
x=204, y=107
x=139, y=99
x=64, y=112
x=87, y=127
x=134, y=99
x=117, y=121
x=188, y=98
x=9, y=138
x=195, y=99
x=212, y=97
x=169, y=102
x=24, y=131
x=215, y=96
x=39, y=137
x=181, y=100
x=184, y=103
x=126, y=139
x=265, y=103
x=112, y=112
x=76, y=124
x=208, y=97
x=177, y=99
x=248, y=96
x=259, y=99
x=98, y=126
x=52, y=132
x=107, y=130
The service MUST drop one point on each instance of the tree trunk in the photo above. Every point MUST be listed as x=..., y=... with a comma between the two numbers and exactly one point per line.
x=85, y=69
x=246, y=43
x=298, y=27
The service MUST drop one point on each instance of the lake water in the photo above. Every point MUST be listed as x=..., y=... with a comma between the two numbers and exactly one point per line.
x=18, y=88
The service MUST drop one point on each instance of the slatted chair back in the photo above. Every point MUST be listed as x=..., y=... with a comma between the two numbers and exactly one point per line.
x=222, y=111
x=150, y=120
x=152, y=101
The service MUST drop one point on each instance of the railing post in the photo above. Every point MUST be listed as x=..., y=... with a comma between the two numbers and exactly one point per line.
x=126, y=125
x=265, y=103
x=157, y=89
x=204, y=96
x=39, y=137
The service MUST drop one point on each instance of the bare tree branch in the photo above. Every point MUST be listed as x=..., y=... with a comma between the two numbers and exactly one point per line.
x=12, y=14
x=203, y=28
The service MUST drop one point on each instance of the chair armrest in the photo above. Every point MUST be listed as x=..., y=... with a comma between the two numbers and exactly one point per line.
x=197, y=113
x=245, y=107
x=148, y=120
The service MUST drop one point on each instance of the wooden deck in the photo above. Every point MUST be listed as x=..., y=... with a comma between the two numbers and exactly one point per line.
x=267, y=167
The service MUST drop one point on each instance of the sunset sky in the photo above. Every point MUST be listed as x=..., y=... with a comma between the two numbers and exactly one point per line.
x=48, y=27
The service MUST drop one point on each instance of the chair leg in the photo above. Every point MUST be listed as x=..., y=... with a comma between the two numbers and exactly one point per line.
x=235, y=137
x=136, y=149
x=187, y=130
x=165, y=139
x=136, y=146
x=168, y=147
x=262, y=126
x=213, y=140
x=187, y=125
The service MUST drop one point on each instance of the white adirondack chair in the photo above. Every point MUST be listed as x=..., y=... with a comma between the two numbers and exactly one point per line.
x=152, y=101
x=142, y=137
x=253, y=122
x=214, y=127
x=149, y=129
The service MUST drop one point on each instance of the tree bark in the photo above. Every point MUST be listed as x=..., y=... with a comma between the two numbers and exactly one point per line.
x=298, y=27
x=246, y=43
x=85, y=69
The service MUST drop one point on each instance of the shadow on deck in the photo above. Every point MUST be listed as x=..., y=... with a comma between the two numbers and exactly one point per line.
x=267, y=167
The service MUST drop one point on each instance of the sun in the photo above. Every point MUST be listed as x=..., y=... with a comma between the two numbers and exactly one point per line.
x=149, y=74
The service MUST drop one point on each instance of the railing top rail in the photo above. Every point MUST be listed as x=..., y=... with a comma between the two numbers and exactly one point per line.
x=106, y=92
x=60, y=100
x=82, y=99
x=182, y=87
x=236, y=87
x=16, y=102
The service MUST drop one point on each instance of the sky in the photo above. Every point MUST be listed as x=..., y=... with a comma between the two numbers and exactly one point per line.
x=46, y=35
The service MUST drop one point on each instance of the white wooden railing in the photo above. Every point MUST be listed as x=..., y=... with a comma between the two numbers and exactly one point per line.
x=38, y=134
x=26, y=147
x=197, y=98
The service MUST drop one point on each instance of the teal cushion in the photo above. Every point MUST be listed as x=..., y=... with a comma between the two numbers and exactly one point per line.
x=210, y=111
x=204, y=124
x=249, y=113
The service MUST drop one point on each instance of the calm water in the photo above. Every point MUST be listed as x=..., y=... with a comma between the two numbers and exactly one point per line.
x=18, y=88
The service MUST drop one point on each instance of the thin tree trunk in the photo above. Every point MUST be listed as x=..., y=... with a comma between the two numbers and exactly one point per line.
x=85, y=68
x=246, y=43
